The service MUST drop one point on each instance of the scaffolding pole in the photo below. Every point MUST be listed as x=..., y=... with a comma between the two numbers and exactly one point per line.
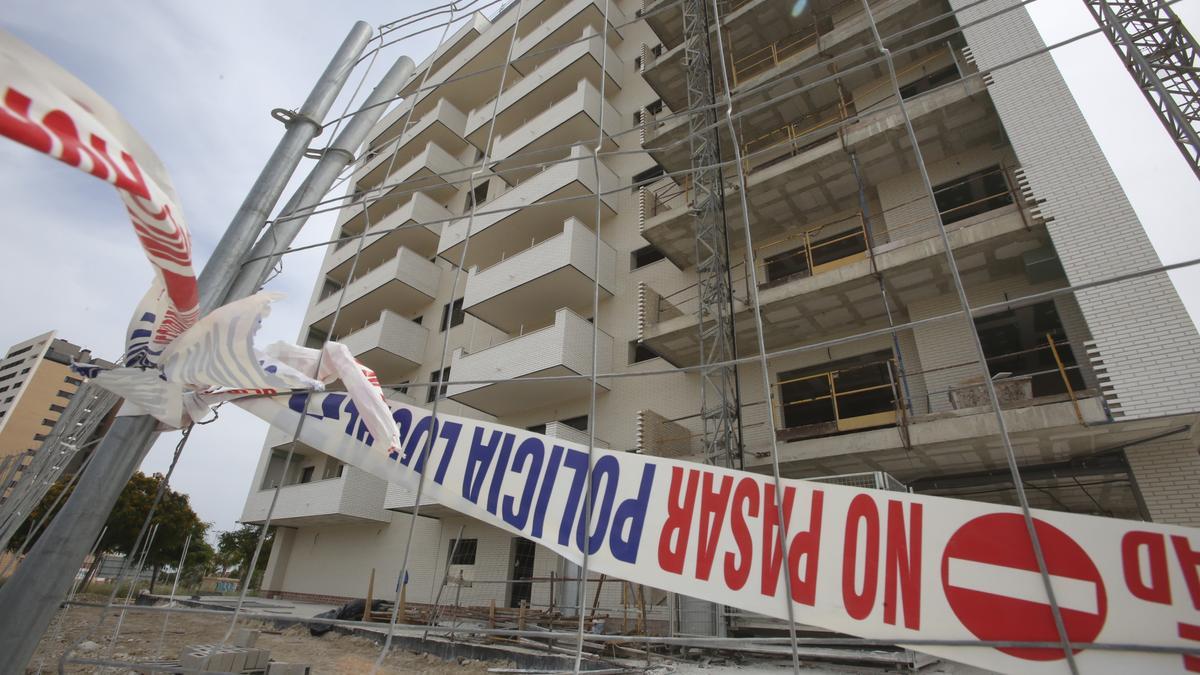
x=1161, y=55
x=718, y=380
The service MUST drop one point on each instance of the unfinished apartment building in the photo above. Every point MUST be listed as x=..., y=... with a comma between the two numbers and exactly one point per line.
x=1098, y=386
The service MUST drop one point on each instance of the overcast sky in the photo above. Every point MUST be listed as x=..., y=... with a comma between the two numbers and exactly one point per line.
x=198, y=81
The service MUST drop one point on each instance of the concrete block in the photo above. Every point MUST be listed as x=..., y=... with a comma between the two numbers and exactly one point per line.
x=244, y=637
x=236, y=659
x=262, y=657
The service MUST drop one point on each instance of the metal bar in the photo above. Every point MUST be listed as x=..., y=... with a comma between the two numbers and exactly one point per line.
x=337, y=157
x=302, y=126
x=1163, y=49
x=1066, y=380
x=30, y=598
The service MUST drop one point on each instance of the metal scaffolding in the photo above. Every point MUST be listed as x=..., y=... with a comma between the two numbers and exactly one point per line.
x=1161, y=55
x=718, y=379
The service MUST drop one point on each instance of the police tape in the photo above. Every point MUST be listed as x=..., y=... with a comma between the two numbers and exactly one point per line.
x=871, y=563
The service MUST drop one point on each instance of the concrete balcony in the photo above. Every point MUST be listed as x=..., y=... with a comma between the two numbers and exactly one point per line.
x=767, y=43
x=403, y=499
x=565, y=25
x=526, y=288
x=356, y=497
x=391, y=345
x=405, y=284
x=466, y=69
x=841, y=295
x=563, y=348
x=807, y=172
x=403, y=228
x=551, y=81
x=523, y=215
x=443, y=125
x=432, y=172
x=569, y=120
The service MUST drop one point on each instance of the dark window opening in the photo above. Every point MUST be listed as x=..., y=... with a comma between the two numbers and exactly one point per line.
x=7, y=377
x=54, y=407
x=462, y=551
x=580, y=423
x=39, y=437
x=639, y=352
x=306, y=474
x=637, y=64
x=973, y=194
x=330, y=288
x=436, y=392
x=644, y=177
x=1018, y=342
x=316, y=338
x=818, y=252
x=654, y=107
x=63, y=394
x=402, y=388
x=644, y=256
x=837, y=397
x=14, y=364
x=47, y=422
x=537, y=428
x=418, y=319
x=521, y=591
x=16, y=352
x=477, y=196
x=931, y=81
x=73, y=380
x=452, y=313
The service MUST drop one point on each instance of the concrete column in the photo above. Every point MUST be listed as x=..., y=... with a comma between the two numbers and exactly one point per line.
x=1167, y=473
x=281, y=552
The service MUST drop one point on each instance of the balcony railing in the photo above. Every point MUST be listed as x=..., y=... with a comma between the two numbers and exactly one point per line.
x=881, y=393
x=813, y=253
x=837, y=401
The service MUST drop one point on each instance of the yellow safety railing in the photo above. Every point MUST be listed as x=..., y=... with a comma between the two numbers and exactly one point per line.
x=795, y=135
x=813, y=253
x=845, y=420
x=765, y=58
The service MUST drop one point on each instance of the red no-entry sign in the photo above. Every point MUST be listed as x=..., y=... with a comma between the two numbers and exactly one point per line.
x=992, y=583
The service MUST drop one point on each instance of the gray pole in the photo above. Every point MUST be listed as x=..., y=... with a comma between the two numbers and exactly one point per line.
x=31, y=597
x=223, y=266
x=283, y=231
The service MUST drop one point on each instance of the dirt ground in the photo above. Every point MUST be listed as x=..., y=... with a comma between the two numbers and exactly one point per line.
x=139, y=640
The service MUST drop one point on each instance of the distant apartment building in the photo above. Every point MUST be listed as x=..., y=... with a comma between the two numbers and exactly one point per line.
x=36, y=385
x=1100, y=387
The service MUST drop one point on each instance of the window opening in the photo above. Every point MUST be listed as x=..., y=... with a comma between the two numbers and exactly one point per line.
x=464, y=552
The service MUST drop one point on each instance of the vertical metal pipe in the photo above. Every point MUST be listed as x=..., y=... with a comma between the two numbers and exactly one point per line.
x=30, y=598
x=303, y=126
x=283, y=231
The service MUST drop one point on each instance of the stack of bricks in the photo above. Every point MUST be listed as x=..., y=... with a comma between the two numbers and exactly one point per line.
x=224, y=659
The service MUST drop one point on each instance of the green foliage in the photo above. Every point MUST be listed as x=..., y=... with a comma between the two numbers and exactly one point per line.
x=174, y=516
x=235, y=549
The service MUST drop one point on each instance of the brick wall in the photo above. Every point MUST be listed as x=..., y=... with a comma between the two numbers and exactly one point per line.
x=1141, y=330
x=1167, y=474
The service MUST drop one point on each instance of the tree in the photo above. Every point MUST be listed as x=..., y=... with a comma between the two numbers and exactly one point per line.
x=174, y=517
x=235, y=549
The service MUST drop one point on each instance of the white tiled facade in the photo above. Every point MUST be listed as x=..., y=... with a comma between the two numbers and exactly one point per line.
x=1045, y=213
